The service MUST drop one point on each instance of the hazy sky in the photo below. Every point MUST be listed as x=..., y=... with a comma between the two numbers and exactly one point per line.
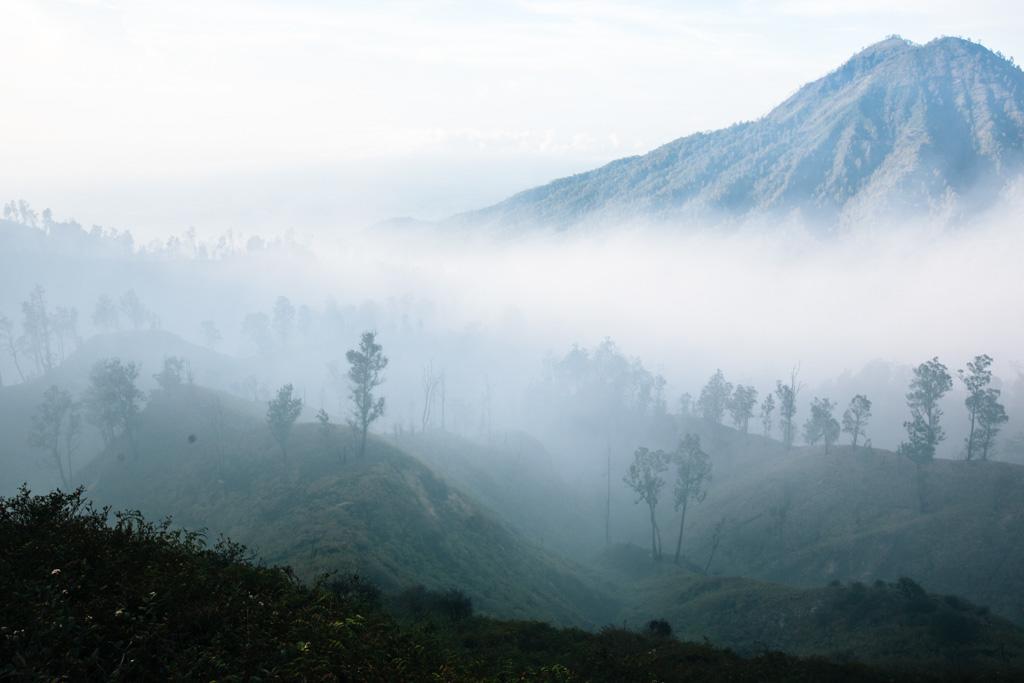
x=308, y=113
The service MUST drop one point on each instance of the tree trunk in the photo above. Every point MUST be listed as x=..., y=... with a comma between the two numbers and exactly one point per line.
x=60, y=467
x=608, y=504
x=654, y=537
x=682, y=522
x=970, y=437
x=922, y=486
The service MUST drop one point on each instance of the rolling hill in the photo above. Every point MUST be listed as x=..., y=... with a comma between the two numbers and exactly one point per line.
x=900, y=128
x=210, y=461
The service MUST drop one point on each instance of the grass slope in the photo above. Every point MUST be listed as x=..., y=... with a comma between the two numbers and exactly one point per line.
x=896, y=624
x=807, y=518
x=385, y=516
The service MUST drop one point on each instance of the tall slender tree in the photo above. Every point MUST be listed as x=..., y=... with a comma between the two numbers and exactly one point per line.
x=741, y=406
x=9, y=342
x=787, y=395
x=930, y=383
x=366, y=368
x=984, y=410
x=855, y=418
x=113, y=402
x=767, y=408
x=282, y=412
x=693, y=474
x=38, y=329
x=645, y=478
x=714, y=398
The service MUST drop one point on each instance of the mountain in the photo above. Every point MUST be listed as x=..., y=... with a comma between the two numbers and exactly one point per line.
x=935, y=129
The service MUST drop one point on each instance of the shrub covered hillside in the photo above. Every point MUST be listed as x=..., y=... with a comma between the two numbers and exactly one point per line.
x=87, y=600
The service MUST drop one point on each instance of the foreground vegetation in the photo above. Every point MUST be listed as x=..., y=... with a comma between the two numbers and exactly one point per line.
x=131, y=600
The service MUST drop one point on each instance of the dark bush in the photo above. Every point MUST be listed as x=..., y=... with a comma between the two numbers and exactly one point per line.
x=659, y=628
x=419, y=602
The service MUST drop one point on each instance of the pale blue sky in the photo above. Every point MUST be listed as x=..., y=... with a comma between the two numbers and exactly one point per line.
x=161, y=114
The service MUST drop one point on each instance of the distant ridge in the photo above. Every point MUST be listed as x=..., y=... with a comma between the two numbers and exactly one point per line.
x=934, y=129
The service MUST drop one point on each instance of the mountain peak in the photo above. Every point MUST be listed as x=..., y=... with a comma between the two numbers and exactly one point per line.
x=932, y=129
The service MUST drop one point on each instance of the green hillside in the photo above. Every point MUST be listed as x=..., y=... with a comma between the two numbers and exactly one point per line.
x=20, y=463
x=895, y=624
x=515, y=475
x=806, y=518
x=209, y=461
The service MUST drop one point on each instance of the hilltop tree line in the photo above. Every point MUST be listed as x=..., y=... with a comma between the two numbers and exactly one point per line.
x=930, y=382
x=112, y=403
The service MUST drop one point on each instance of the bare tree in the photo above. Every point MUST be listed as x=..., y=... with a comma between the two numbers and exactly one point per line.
x=787, y=394
x=10, y=342
x=430, y=382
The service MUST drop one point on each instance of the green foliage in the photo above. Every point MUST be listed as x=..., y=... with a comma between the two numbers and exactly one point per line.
x=855, y=418
x=112, y=401
x=986, y=413
x=137, y=601
x=930, y=383
x=645, y=478
x=714, y=398
x=174, y=373
x=282, y=412
x=365, y=373
x=741, y=406
x=86, y=600
x=821, y=425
